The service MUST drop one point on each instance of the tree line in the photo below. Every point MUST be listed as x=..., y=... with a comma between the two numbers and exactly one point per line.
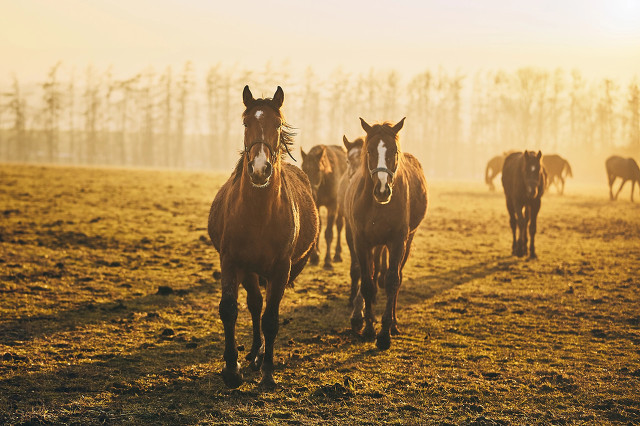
x=175, y=118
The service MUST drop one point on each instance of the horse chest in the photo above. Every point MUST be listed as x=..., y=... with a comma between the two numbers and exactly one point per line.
x=254, y=240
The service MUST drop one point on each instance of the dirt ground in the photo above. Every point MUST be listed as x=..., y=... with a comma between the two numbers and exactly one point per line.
x=109, y=312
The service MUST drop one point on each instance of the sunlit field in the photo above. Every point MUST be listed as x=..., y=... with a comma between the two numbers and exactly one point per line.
x=109, y=292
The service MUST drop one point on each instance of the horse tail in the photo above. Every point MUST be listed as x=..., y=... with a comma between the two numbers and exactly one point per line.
x=568, y=168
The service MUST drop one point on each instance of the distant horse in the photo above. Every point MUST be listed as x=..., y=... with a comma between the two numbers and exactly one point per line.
x=624, y=168
x=385, y=201
x=354, y=159
x=263, y=222
x=523, y=180
x=555, y=166
x=325, y=165
x=494, y=168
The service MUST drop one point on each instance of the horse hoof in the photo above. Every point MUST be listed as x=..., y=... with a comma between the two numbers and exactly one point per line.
x=328, y=266
x=383, y=341
x=337, y=258
x=356, y=324
x=394, y=330
x=533, y=256
x=232, y=377
x=267, y=382
x=314, y=260
x=369, y=333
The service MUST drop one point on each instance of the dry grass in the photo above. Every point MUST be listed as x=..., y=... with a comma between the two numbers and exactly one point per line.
x=85, y=337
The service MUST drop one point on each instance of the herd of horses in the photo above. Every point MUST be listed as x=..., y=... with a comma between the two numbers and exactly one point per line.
x=557, y=169
x=265, y=225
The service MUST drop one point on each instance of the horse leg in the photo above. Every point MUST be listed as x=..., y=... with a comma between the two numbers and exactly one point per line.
x=520, y=248
x=354, y=270
x=367, y=292
x=229, y=313
x=270, y=319
x=527, y=217
x=562, y=190
x=254, y=303
x=633, y=188
x=394, y=324
x=328, y=235
x=392, y=281
x=314, y=258
x=337, y=257
x=512, y=223
x=535, y=208
x=612, y=179
x=620, y=189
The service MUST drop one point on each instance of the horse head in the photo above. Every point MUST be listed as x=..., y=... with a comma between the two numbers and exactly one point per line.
x=532, y=173
x=263, y=135
x=354, y=154
x=381, y=153
x=316, y=165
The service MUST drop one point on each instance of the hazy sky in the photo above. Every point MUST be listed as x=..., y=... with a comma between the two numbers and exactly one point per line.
x=601, y=38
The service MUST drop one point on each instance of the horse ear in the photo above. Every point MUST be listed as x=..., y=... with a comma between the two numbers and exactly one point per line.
x=247, y=97
x=539, y=156
x=364, y=125
x=278, y=97
x=325, y=164
x=398, y=126
x=526, y=153
x=302, y=153
x=346, y=142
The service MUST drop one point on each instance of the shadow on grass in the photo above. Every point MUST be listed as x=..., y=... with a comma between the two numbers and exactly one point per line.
x=87, y=313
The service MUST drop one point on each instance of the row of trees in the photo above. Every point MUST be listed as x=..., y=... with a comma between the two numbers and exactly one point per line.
x=176, y=119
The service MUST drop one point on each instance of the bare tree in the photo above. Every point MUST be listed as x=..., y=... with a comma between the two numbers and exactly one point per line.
x=52, y=95
x=633, y=105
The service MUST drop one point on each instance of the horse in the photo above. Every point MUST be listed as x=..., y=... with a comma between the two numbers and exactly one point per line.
x=555, y=166
x=385, y=201
x=494, y=168
x=324, y=166
x=524, y=181
x=624, y=168
x=263, y=223
x=354, y=159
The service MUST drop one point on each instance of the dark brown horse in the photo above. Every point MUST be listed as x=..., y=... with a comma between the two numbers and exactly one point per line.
x=494, y=168
x=325, y=165
x=263, y=223
x=523, y=180
x=556, y=166
x=385, y=202
x=354, y=160
x=624, y=168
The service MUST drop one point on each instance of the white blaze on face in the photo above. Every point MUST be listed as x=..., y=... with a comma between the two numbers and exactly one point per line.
x=260, y=162
x=382, y=176
x=259, y=114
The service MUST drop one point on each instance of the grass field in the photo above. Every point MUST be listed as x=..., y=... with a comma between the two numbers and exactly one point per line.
x=109, y=312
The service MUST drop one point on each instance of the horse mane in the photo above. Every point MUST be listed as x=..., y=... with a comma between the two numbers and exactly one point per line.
x=286, y=134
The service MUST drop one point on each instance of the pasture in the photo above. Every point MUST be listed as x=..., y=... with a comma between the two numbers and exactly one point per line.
x=109, y=292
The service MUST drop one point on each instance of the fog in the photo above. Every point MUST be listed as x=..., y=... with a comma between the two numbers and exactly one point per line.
x=159, y=84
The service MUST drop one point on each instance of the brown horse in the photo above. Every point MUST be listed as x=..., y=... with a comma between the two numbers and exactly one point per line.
x=555, y=166
x=494, y=168
x=263, y=223
x=354, y=159
x=523, y=180
x=624, y=168
x=325, y=165
x=385, y=202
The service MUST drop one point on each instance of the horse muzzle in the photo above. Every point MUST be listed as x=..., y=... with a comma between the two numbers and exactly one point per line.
x=382, y=196
x=259, y=175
